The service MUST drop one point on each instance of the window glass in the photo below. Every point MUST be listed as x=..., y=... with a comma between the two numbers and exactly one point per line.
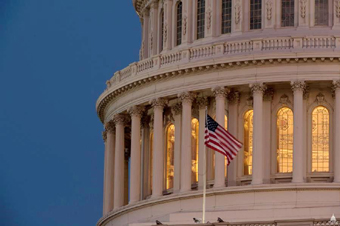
x=194, y=150
x=162, y=31
x=255, y=14
x=321, y=12
x=226, y=16
x=248, y=143
x=284, y=137
x=287, y=13
x=179, y=23
x=200, y=18
x=170, y=147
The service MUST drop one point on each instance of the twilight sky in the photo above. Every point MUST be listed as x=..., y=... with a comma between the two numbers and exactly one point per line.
x=55, y=57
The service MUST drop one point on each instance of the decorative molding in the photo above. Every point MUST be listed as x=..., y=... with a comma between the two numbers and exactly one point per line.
x=303, y=6
x=234, y=97
x=104, y=135
x=284, y=100
x=298, y=86
x=237, y=12
x=336, y=84
x=165, y=38
x=177, y=108
x=185, y=18
x=337, y=8
x=202, y=102
x=208, y=15
x=187, y=97
x=151, y=40
x=249, y=101
x=258, y=87
x=120, y=119
x=320, y=98
x=269, y=5
x=220, y=92
x=110, y=126
x=136, y=111
x=158, y=103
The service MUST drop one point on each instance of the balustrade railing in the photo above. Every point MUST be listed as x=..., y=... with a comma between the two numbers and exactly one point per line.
x=229, y=48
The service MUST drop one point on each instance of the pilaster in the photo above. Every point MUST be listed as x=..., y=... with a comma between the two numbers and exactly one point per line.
x=336, y=15
x=336, y=85
x=187, y=22
x=167, y=39
x=304, y=13
x=153, y=40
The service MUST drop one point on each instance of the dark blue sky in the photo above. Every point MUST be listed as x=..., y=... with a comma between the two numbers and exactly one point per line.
x=55, y=57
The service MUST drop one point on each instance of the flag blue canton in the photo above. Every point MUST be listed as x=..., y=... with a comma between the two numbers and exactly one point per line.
x=211, y=124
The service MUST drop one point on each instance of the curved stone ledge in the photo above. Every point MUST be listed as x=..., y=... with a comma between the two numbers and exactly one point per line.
x=232, y=191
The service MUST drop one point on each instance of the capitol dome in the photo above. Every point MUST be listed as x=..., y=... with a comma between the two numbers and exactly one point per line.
x=269, y=72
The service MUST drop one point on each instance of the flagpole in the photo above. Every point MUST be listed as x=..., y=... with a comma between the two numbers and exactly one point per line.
x=204, y=174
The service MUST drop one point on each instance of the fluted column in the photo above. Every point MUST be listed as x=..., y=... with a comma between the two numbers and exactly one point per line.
x=233, y=101
x=177, y=110
x=120, y=121
x=109, y=139
x=135, y=166
x=257, y=90
x=187, y=99
x=158, y=151
x=202, y=104
x=220, y=96
x=337, y=132
x=298, y=88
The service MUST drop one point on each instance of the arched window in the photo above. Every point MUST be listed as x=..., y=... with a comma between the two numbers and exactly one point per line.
x=287, y=13
x=320, y=139
x=179, y=23
x=284, y=140
x=226, y=16
x=200, y=18
x=321, y=12
x=248, y=142
x=255, y=14
x=194, y=150
x=170, y=147
x=162, y=32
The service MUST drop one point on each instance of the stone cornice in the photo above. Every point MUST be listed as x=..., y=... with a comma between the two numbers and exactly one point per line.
x=224, y=191
x=110, y=95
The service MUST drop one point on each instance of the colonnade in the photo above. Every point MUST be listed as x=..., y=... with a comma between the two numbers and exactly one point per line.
x=114, y=143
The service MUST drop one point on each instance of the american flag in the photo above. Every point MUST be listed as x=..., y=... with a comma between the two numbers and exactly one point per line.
x=219, y=139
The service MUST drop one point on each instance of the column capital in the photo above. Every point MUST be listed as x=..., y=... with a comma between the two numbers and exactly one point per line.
x=154, y=4
x=110, y=126
x=234, y=97
x=177, y=108
x=298, y=86
x=202, y=102
x=159, y=103
x=187, y=97
x=120, y=119
x=258, y=87
x=336, y=84
x=136, y=111
x=220, y=92
x=104, y=134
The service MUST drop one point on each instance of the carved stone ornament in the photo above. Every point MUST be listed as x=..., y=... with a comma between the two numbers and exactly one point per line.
x=220, y=92
x=104, y=134
x=202, y=102
x=165, y=38
x=136, y=111
x=234, y=97
x=336, y=84
x=337, y=8
x=258, y=87
x=185, y=18
x=110, y=126
x=108, y=84
x=298, y=86
x=303, y=6
x=145, y=121
x=269, y=5
x=177, y=108
x=208, y=13
x=151, y=40
x=187, y=97
x=237, y=12
x=159, y=103
x=284, y=99
x=249, y=101
x=320, y=98
x=268, y=94
x=120, y=119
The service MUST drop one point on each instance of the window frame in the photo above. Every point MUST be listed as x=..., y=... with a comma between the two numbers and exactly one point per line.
x=262, y=16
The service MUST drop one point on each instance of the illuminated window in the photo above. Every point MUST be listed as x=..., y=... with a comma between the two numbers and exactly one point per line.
x=248, y=142
x=170, y=147
x=226, y=16
x=320, y=139
x=284, y=137
x=200, y=18
x=287, y=13
x=194, y=150
x=162, y=31
x=179, y=23
x=321, y=12
x=255, y=14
